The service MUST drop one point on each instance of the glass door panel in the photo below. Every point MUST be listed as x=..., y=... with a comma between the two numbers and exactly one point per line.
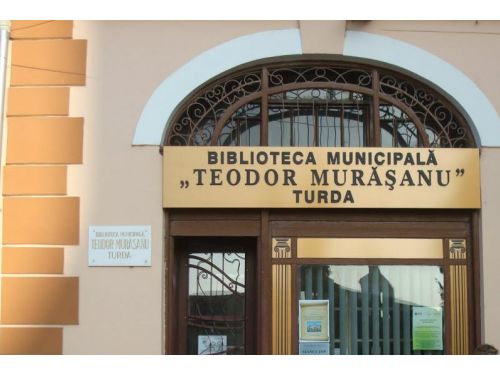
x=216, y=303
x=379, y=309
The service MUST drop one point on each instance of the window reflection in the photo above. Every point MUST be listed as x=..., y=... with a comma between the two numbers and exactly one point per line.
x=319, y=117
x=397, y=130
x=216, y=303
x=371, y=307
x=243, y=128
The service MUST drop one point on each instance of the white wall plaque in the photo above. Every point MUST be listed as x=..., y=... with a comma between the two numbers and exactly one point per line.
x=120, y=246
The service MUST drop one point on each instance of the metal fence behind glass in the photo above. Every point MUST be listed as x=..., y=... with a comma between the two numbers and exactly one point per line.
x=371, y=306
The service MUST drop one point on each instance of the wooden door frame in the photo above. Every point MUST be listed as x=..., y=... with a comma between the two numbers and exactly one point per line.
x=203, y=224
x=216, y=244
x=265, y=224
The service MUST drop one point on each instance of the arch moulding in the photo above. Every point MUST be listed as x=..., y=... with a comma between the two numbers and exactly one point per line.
x=378, y=49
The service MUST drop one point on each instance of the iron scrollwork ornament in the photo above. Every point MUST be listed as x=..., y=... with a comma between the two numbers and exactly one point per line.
x=427, y=119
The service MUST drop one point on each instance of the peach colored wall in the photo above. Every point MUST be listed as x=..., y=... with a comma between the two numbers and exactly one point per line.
x=490, y=259
x=121, y=309
x=468, y=45
x=322, y=36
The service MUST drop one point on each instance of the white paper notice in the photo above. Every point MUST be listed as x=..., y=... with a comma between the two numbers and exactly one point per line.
x=212, y=344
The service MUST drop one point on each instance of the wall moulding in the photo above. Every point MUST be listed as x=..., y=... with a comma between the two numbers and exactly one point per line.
x=286, y=44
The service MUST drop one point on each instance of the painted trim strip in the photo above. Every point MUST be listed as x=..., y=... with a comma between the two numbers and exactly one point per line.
x=181, y=83
x=170, y=93
x=456, y=84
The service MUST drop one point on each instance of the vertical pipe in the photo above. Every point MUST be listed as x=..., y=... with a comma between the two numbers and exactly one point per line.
x=375, y=310
x=309, y=282
x=331, y=298
x=4, y=48
x=365, y=314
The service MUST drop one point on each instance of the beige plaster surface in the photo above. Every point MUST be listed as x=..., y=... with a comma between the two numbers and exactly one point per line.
x=122, y=308
x=471, y=46
x=490, y=257
x=322, y=36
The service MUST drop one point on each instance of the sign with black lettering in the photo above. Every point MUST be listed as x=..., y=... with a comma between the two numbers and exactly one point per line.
x=120, y=246
x=286, y=177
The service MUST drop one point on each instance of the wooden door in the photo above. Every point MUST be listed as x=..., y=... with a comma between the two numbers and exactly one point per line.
x=216, y=295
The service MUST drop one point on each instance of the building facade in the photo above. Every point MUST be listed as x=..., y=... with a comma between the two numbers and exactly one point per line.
x=258, y=187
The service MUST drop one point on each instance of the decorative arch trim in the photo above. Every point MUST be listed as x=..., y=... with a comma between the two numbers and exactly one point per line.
x=175, y=88
x=482, y=115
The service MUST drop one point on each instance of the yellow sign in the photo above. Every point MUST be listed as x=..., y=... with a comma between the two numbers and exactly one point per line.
x=321, y=177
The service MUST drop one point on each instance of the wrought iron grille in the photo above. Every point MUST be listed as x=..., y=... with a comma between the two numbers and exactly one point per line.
x=216, y=308
x=319, y=104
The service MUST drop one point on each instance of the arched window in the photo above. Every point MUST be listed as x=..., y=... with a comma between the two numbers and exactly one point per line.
x=333, y=104
x=361, y=262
